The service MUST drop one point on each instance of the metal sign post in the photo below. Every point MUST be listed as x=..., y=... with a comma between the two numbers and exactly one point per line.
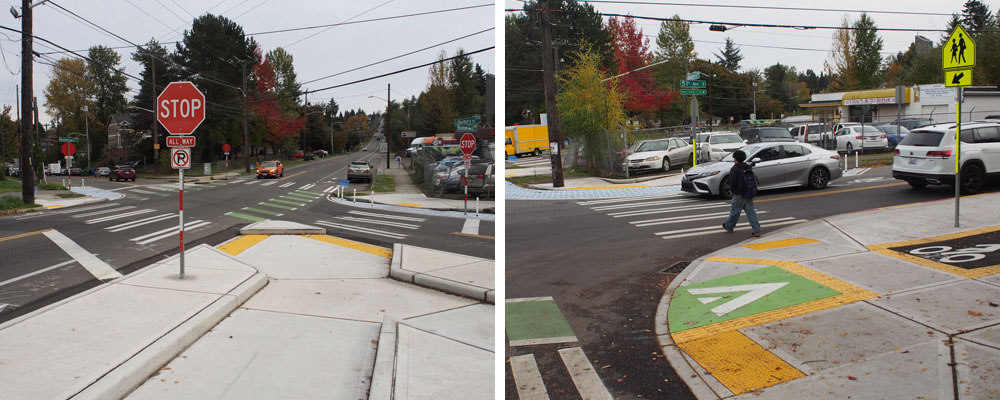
x=958, y=151
x=180, y=109
x=958, y=57
x=180, y=207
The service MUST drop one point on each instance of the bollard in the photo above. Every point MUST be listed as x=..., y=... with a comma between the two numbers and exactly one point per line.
x=354, y=195
x=477, y=206
x=857, y=155
x=373, y=198
x=83, y=182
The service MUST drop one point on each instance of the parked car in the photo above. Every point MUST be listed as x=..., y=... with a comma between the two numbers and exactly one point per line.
x=298, y=154
x=659, y=154
x=776, y=164
x=890, y=131
x=481, y=179
x=818, y=135
x=913, y=123
x=13, y=171
x=360, y=170
x=842, y=125
x=321, y=153
x=927, y=156
x=861, y=138
x=410, y=151
x=75, y=172
x=102, y=171
x=309, y=157
x=122, y=173
x=714, y=146
x=766, y=134
x=270, y=169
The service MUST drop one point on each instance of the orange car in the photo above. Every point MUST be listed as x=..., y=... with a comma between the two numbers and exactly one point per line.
x=270, y=169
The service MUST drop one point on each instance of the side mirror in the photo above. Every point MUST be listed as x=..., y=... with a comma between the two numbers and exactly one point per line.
x=755, y=160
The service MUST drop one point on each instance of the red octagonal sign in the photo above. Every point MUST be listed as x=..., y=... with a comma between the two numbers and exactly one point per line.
x=467, y=143
x=180, y=108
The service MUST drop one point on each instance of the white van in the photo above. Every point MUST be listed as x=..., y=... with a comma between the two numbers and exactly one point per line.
x=927, y=156
x=818, y=135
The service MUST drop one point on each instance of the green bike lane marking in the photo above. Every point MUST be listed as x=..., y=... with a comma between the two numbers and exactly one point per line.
x=299, y=197
x=246, y=217
x=536, y=320
x=265, y=212
x=264, y=203
x=740, y=295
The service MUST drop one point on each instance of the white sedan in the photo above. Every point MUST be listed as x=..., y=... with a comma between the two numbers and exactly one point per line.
x=861, y=138
x=660, y=154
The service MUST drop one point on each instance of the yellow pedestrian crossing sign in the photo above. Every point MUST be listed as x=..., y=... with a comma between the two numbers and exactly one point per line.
x=958, y=77
x=959, y=51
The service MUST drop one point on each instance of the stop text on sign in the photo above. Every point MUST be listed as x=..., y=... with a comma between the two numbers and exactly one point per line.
x=179, y=108
x=468, y=143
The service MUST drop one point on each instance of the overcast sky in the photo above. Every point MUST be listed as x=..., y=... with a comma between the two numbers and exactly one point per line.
x=317, y=52
x=817, y=41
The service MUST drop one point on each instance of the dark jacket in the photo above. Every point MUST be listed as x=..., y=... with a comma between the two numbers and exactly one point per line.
x=736, y=177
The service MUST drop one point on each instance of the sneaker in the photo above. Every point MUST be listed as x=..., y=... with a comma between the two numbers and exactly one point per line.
x=727, y=229
x=755, y=234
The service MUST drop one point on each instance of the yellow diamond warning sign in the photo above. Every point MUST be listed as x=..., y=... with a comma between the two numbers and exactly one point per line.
x=958, y=77
x=959, y=51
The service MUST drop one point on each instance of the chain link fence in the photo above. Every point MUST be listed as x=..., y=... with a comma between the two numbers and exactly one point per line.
x=439, y=170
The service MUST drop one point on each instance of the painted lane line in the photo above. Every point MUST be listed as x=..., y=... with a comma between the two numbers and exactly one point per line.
x=251, y=182
x=666, y=210
x=287, y=184
x=644, y=204
x=100, y=269
x=266, y=212
x=41, y=271
x=304, y=187
x=329, y=189
x=188, y=226
x=141, y=222
x=114, y=217
x=390, y=216
x=268, y=183
x=148, y=192
x=378, y=222
x=363, y=230
x=103, y=211
x=745, y=226
x=471, y=226
x=584, y=377
x=528, y=380
x=299, y=204
x=246, y=217
x=264, y=203
x=674, y=220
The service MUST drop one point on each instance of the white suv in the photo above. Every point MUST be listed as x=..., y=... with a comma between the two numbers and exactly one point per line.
x=927, y=155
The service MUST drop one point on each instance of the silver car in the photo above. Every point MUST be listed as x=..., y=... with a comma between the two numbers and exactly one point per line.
x=776, y=164
x=660, y=154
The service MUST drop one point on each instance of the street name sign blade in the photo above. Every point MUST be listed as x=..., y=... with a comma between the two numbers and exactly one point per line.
x=693, y=84
x=180, y=158
x=958, y=77
x=468, y=143
x=68, y=140
x=694, y=92
x=180, y=141
x=67, y=149
x=693, y=75
x=180, y=108
x=959, y=51
x=468, y=124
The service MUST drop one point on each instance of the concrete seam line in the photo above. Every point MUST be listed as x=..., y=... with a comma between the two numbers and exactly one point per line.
x=385, y=361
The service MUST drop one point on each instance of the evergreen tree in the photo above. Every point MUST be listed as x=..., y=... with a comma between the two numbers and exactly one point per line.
x=730, y=57
x=868, y=50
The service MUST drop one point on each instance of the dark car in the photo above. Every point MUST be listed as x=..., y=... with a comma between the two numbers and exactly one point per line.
x=122, y=173
x=75, y=172
x=890, y=133
x=914, y=123
x=481, y=179
x=360, y=170
x=766, y=134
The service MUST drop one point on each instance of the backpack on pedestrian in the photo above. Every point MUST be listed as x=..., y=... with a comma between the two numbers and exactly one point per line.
x=749, y=183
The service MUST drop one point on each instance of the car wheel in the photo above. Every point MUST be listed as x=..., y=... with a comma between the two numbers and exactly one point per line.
x=535, y=153
x=850, y=148
x=258, y=176
x=917, y=184
x=133, y=179
x=666, y=164
x=818, y=178
x=724, y=189
x=972, y=179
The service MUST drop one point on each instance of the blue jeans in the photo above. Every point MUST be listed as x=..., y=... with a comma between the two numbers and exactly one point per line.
x=739, y=203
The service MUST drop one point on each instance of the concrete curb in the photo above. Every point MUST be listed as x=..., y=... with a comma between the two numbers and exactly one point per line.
x=397, y=272
x=638, y=180
x=384, y=373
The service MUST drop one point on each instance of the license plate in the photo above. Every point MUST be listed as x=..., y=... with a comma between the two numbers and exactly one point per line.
x=913, y=161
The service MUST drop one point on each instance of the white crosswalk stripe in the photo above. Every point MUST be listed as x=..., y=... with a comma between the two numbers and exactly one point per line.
x=287, y=184
x=329, y=189
x=138, y=223
x=103, y=211
x=141, y=191
x=389, y=216
x=374, y=223
x=250, y=182
x=743, y=226
x=165, y=233
x=528, y=162
x=309, y=186
x=378, y=222
x=363, y=230
x=268, y=183
x=119, y=216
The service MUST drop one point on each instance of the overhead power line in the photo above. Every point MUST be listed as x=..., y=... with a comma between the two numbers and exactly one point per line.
x=651, y=3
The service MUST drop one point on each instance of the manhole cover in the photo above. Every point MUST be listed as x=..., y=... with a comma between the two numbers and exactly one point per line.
x=676, y=267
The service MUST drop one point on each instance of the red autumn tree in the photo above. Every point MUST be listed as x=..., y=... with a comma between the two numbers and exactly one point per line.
x=281, y=124
x=631, y=53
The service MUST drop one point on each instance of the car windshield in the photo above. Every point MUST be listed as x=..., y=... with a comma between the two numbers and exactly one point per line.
x=269, y=164
x=748, y=150
x=774, y=133
x=922, y=138
x=654, y=145
x=720, y=139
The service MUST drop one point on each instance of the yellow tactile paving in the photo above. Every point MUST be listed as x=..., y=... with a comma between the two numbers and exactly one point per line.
x=883, y=248
x=780, y=243
x=367, y=248
x=235, y=247
x=848, y=294
x=739, y=363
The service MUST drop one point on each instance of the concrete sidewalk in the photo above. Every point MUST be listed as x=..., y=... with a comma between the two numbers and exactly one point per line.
x=262, y=316
x=886, y=303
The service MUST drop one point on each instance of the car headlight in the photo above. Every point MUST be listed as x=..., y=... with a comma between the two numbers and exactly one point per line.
x=653, y=158
x=707, y=174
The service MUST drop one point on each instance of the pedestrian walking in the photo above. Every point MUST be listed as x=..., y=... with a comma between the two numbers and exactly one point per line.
x=743, y=184
x=399, y=161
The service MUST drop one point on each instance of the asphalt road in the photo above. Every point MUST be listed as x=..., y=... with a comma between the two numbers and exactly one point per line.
x=605, y=264
x=141, y=228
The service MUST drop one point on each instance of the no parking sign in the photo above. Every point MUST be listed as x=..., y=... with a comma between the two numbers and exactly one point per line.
x=180, y=158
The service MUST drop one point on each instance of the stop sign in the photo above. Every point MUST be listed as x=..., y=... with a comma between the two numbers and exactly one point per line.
x=226, y=147
x=68, y=149
x=468, y=143
x=180, y=108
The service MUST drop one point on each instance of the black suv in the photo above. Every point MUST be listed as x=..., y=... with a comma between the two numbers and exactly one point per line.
x=766, y=134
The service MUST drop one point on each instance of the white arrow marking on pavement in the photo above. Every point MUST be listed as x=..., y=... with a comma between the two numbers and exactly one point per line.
x=706, y=300
x=100, y=269
x=756, y=291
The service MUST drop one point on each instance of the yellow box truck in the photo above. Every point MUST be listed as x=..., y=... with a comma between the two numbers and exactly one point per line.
x=526, y=139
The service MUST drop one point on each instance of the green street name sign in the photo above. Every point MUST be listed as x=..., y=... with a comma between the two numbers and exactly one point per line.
x=694, y=91
x=69, y=139
x=692, y=84
x=469, y=124
x=694, y=75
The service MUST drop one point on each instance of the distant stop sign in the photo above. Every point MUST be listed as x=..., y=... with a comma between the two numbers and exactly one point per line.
x=180, y=108
x=468, y=143
x=68, y=149
x=226, y=147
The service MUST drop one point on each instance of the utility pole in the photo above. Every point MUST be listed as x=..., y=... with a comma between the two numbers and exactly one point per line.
x=27, y=172
x=711, y=74
x=305, y=105
x=156, y=127
x=388, y=110
x=548, y=79
x=246, y=133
